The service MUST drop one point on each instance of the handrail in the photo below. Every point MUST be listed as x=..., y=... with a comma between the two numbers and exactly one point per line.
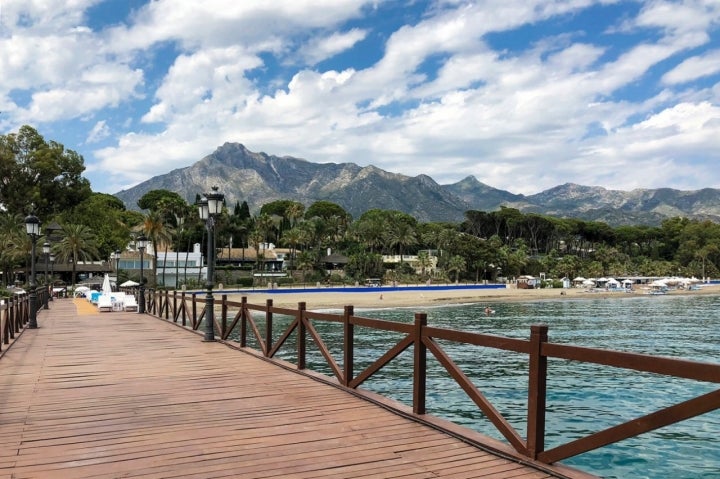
x=14, y=316
x=424, y=338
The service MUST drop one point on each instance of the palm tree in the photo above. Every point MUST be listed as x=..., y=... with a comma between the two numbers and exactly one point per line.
x=77, y=242
x=456, y=264
x=401, y=234
x=292, y=237
x=370, y=232
x=424, y=261
x=277, y=222
x=179, y=212
x=256, y=237
x=294, y=212
x=14, y=244
x=703, y=254
x=305, y=262
x=158, y=233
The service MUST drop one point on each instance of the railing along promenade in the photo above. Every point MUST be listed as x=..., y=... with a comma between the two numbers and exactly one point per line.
x=188, y=309
x=15, y=314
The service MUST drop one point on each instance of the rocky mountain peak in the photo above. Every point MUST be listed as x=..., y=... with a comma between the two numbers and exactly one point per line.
x=259, y=178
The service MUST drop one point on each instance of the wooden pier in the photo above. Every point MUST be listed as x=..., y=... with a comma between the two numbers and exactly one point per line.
x=110, y=395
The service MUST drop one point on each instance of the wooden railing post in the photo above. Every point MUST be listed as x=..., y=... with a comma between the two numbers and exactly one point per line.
x=268, y=327
x=348, y=345
x=194, y=318
x=537, y=388
x=22, y=311
x=420, y=365
x=12, y=309
x=301, y=335
x=184, y=305
x=223, y=315
x=167, y=305
x=25, y=310
x=243, y=321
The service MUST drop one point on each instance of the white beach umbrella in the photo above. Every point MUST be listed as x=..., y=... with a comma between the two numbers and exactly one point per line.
x=129, y=284
x=106, y=288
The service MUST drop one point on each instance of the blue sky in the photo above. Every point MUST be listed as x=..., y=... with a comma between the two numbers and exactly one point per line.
x=522, y=94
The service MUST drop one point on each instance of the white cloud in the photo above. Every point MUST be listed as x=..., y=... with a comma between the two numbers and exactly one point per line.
x=693, y=68
x=319, y=49
x=98, y=133
x=92, y=90
x=523, y=120
x=208, y=76
x=662, y=148
x=221, y=23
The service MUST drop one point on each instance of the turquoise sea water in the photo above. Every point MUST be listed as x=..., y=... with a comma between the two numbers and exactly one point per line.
x=581, y=398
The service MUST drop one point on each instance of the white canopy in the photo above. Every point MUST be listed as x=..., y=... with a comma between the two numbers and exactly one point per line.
x=579, y=279
x=81, y=290
x=129, y=284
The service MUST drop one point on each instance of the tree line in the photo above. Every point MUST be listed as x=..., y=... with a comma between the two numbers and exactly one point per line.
x=43, y=178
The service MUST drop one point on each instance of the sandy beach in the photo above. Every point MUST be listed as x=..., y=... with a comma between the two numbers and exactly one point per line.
x=337, y=298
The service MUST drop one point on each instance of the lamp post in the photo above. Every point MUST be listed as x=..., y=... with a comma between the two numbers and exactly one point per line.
x=46, y=252
x=179, y=221
x=141, y=245
x=52, y=275
x=32, y=228
x=117, y=267
x=208, y=208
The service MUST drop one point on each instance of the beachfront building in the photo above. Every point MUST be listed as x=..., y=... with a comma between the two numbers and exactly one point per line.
x=178, y=268
x=128, y=264
x=430, y=267
x=266, y=258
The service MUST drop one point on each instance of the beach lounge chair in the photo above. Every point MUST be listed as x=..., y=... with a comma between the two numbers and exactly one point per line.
x=130, y=303
x=104, y=303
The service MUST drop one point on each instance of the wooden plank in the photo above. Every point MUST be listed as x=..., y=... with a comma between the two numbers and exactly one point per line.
x=127, y=395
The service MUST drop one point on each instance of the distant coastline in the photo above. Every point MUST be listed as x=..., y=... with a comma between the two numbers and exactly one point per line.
x=423, y=296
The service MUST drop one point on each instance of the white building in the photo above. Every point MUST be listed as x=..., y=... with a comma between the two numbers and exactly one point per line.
x=174, y=269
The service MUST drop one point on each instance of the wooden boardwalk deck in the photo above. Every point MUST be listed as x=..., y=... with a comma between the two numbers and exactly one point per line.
x=110, y=395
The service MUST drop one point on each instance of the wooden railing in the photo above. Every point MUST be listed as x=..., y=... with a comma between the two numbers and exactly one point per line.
x=188, y=309
x=14, y=316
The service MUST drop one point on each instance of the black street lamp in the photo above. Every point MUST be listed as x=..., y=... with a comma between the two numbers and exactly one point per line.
x=179, y=221
x=32, y=228
x=208, y=208
x=52, y=275
x=117, y=267
x=46, y=252
x=141, y=243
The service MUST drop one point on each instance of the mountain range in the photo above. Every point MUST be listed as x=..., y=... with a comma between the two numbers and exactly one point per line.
x=259, y=178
